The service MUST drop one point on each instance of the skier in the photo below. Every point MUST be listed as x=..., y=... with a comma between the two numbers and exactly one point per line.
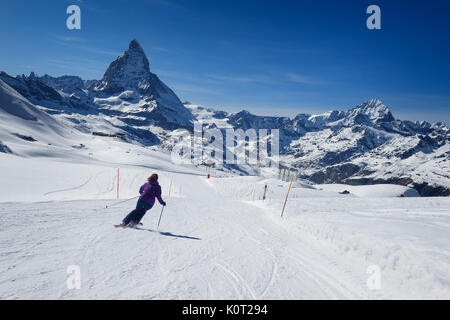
x=149, y=191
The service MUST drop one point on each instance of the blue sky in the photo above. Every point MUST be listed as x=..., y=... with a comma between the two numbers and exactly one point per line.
x=269, y=57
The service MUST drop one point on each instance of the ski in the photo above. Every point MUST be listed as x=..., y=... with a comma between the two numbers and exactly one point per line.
x=140, y=224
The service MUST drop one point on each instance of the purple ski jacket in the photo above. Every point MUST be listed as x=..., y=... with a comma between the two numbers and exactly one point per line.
x=149, y=191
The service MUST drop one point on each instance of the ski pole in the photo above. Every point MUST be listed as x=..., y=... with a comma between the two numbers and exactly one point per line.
x=160, y=217
x=115, y=204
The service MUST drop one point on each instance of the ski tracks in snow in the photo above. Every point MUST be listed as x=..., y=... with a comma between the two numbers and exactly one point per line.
x=319, y=273
x=239, y=284
x=70, y=189
x=226, y=249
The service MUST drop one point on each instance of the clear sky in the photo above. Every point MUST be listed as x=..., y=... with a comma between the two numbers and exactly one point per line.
x=269, y=57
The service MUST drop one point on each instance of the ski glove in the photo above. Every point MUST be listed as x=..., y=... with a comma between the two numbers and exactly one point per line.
x=164, y=204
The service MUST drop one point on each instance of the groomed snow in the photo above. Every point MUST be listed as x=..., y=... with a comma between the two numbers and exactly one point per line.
x=217, y=240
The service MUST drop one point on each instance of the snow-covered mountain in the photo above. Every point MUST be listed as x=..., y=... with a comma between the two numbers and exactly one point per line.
x=363, y=145
x=27, y=131
x=129, y=96
x=129, y=79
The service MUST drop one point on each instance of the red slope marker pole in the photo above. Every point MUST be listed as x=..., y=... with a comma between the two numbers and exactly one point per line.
x=284, y=206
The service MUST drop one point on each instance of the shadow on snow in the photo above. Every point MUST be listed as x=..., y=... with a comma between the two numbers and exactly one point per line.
x=168, y=234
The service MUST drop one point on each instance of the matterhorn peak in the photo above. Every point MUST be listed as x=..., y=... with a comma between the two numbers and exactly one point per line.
x=129, y=76
x=134, y=45
x=129, y=71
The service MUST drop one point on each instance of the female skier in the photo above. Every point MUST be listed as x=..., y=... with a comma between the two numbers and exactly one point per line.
x=149, y=191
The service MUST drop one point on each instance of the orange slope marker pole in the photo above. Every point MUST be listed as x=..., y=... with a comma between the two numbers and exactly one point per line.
x=170, y=188
x=284, y=206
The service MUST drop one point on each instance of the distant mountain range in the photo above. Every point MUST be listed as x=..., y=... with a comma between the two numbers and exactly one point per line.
x=363, y=145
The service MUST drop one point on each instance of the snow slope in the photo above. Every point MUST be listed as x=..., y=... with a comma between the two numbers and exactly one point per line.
x=217, y=240
x=20, y=119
